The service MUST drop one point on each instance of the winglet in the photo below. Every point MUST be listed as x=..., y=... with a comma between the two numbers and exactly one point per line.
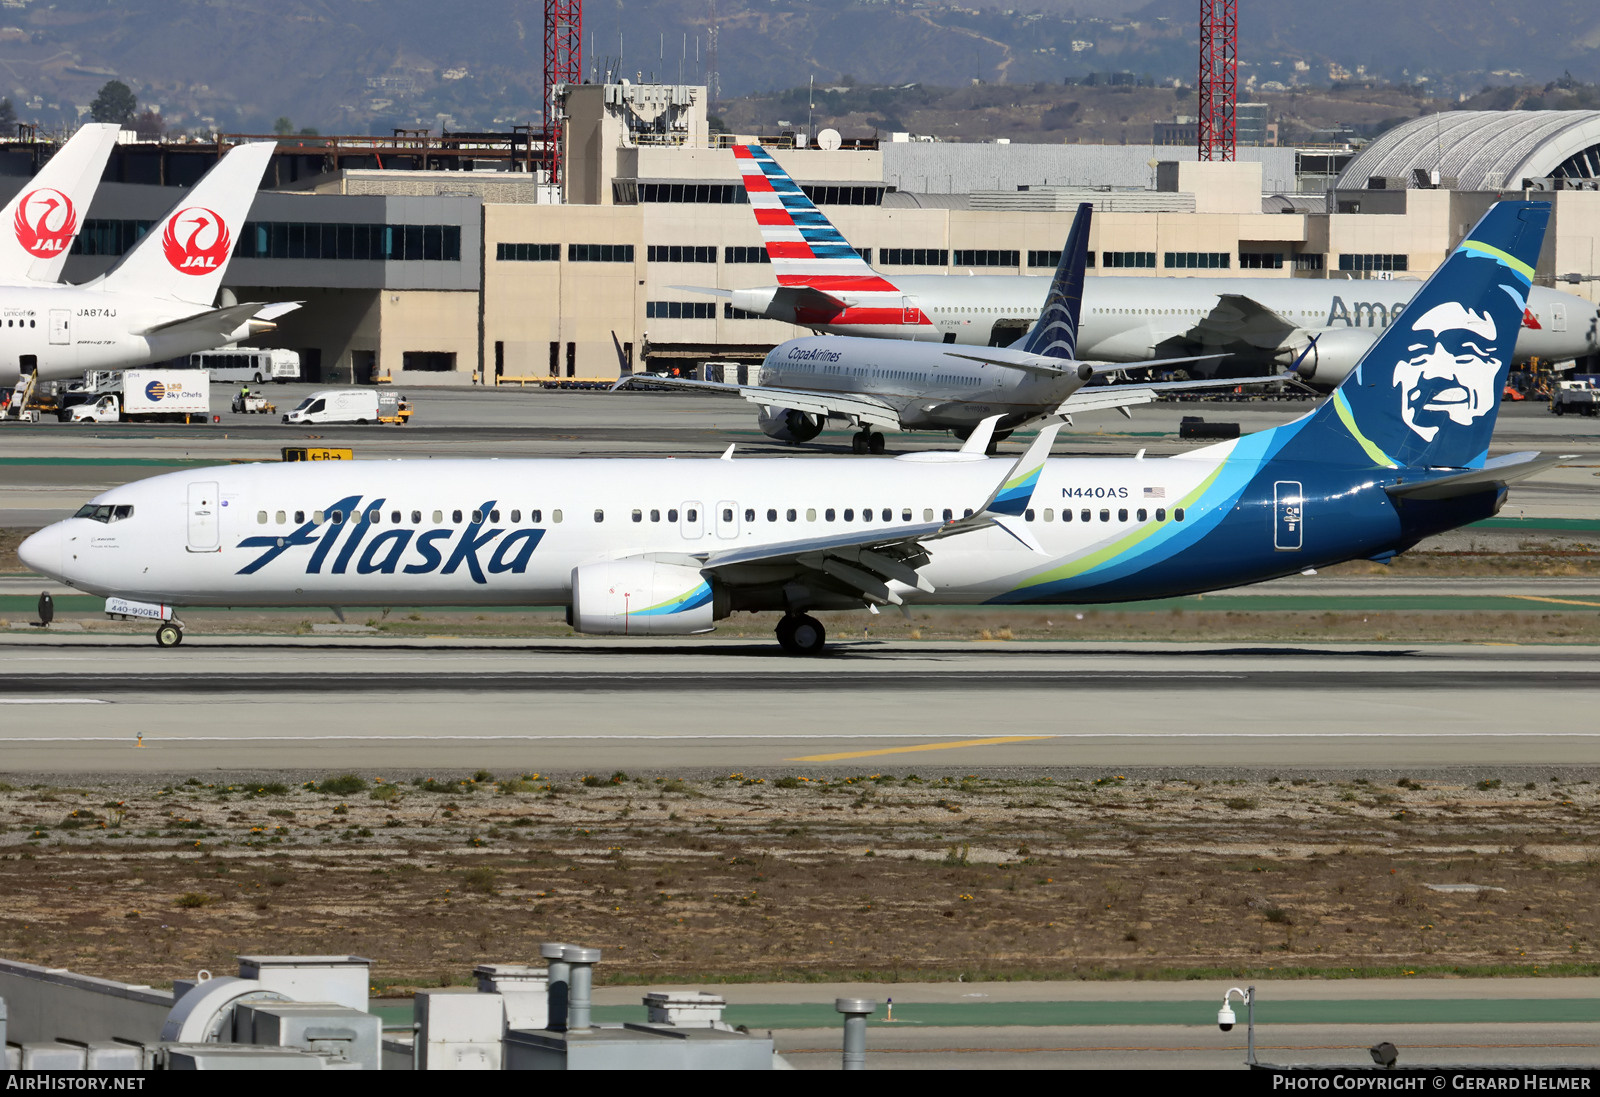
x=1016, y=490
x=978, y=441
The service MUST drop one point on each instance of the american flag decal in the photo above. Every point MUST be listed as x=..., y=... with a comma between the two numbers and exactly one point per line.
x=1155, y=493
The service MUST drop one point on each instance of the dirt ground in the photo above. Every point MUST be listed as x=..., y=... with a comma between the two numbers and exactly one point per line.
x=796, y=875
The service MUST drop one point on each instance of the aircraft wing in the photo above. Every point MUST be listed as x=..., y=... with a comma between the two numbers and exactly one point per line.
x=837, y=405
x=219, y=322
x=1103, y=397
x=1237, y=318
x=1502, y=470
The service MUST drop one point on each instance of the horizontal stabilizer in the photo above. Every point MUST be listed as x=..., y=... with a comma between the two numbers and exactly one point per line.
x=709, y=291
x=219, y=322
x=1496, y=472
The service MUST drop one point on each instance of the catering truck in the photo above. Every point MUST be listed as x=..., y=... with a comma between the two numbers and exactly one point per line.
x=148, y=395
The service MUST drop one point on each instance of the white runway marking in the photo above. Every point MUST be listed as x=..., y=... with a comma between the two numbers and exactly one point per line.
x=52, y=701
x=789, y=738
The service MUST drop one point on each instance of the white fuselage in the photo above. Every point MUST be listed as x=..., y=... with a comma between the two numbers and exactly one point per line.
x=69, y=329
x=511, y=532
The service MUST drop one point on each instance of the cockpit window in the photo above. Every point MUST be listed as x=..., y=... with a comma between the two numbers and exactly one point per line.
x=102, y=512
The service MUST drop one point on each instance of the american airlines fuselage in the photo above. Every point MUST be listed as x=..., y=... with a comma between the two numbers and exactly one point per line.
x=67, y=330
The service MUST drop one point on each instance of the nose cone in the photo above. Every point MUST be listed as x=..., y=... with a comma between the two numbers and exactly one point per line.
x=42, y=552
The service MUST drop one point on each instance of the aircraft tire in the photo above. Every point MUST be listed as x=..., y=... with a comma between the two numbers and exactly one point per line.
x=807, y=636
x=169, y=635
x=785, y=632
x=875, y=443
x=859, y=442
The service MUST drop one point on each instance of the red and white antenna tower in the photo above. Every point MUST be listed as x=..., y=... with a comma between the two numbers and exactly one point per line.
x=563, y=64
x=1219, y=78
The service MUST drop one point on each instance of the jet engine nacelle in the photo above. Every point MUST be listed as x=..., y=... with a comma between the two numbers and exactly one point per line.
x=641, y=597
x=788, y=425
x=1333, y=356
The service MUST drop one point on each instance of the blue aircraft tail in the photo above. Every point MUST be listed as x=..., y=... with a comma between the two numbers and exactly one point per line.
x=1427, y=393
x=1055, y=333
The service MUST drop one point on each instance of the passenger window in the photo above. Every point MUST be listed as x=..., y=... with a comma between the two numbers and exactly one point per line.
x=438, y=517
x=477, y=516
x=1027, y=515
x=337, y=517
x=1049, y=514
x=905, y=515
x=599, y=516
x=692, y=514
x=947, y=514
x=1086, y=515
x=555, y=516
x=638, y=516
x=672, y=515
x=516, y=516
x=927, y=514
x=1177, y=515
x=888, y=515
x=772, y=515
x=849, y=514
x=790, y=514
x=394, y=517
x=535, y=516
x=374, y=515
x=494, y=516
x=455, y=516
x=749, y=515
x=827, y=515
x=1066, y=516
x=261, y=517
x=967, y=513
x=1143, y=515
x=727, y=514
x=655, y=516
x=299, y=517
x=280, y=516
x=1122, y=514
x=811, y=514
x=1161, y=514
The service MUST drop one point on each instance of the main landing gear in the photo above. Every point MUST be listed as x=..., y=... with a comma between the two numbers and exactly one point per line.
x=169, y=634
x=866, y=440
x=801, y=634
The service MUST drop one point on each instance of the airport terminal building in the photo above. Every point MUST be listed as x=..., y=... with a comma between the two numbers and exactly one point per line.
x=448, y=260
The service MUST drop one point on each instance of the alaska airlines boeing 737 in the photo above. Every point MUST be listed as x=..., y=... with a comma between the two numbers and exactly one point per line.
x=157, y=302
x=1320, y=326
x=1397, y=454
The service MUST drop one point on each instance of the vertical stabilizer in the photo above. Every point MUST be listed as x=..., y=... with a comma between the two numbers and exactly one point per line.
x=1055, y=333
x=1427, y=393
x=184, y=255
x=38, y=226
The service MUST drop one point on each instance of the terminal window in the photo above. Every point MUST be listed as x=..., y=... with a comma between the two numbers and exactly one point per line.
x=435, y=361
x=1373, y=262
x=1197, y=260
x=109, y=236
x=680, y=310
x=1308, y=262
x=674, y=253
x=1261, y=260
x=745, y=255
x=991, y=258
x=731, y=313
x=362, y=243
x=527, y=253
x=1124, y=259
x=914, y=257
x=599, y=253
x=844, y=196
x=1052, y=259
x=724, y=194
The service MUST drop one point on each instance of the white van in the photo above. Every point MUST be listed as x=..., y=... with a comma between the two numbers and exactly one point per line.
x=249, y=365
x=351, y=406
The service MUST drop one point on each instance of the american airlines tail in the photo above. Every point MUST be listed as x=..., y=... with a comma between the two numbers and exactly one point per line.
x=184, y=255
x=819, y=275
x=48, y=213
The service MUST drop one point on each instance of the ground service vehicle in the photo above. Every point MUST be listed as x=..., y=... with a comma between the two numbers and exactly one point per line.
x=249, y=365
x=351, y=406
x=1575, y=398
x=149, y=395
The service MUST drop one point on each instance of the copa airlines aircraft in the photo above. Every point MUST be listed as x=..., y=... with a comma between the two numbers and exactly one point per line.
x=1320, y=326
x=1397, y=454
x=898, y=384
x=48, y=212
x=157, y=302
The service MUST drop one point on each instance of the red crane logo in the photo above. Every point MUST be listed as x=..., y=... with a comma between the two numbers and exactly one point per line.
x=205, y=249
x=46, y=222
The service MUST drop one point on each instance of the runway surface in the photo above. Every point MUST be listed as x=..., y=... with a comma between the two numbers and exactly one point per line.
x=583, y=705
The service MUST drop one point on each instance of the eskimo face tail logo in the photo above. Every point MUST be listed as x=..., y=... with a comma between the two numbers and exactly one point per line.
x=196, y=241
x=46, y=222
x=1450, y=376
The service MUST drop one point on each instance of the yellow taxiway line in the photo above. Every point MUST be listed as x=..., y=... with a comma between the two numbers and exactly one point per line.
x=1557, y=601
x=925, y=746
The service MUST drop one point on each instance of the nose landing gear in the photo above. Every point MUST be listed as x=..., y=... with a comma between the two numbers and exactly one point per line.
x=801, y=634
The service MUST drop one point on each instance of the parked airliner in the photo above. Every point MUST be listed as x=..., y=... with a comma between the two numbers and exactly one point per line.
x=38, y=226
x=1320, y=326
x=899, y=384
x=1398, y=453
x=157, y=302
